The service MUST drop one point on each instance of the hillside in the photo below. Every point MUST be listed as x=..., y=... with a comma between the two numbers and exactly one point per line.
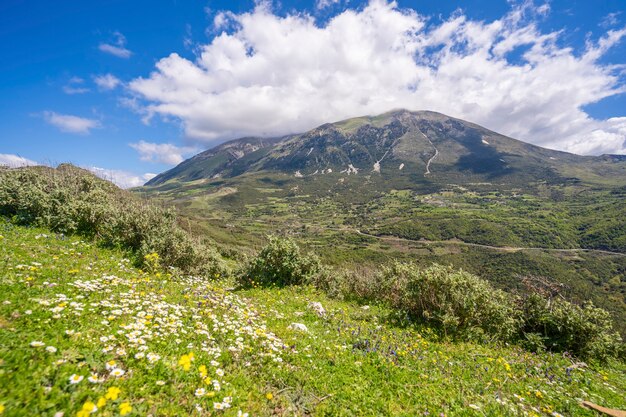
x=82, y=331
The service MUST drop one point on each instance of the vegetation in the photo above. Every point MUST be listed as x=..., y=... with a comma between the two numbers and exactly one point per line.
x=280, y=263
x=501, y=233
x=457, y=302
x=81, y=329
x=70, y=200
x=585, y=331
x=461, y=305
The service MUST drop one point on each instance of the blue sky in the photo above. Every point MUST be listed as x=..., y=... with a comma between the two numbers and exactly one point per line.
x=96, y=84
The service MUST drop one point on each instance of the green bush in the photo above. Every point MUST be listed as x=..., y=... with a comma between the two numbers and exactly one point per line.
x=280, y=263
x=465, y=306
x=457, y=302
x=73, y=201
x=559, y=325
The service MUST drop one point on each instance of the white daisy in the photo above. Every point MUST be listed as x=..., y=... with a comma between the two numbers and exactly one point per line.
x=94, y=379
x=75, y=379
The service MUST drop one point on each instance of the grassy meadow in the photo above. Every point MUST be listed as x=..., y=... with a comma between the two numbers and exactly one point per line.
x=84, y=332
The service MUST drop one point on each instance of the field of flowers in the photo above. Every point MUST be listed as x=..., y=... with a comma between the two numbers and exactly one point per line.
x=83, y=332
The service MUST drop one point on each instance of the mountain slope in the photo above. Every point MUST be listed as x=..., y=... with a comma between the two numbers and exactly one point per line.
x=214, y=161
x=401, y=146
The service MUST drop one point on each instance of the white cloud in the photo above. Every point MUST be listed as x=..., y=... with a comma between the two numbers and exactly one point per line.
x=15, y=161
x=119, y=52
x=610, y=19
x=117, y=48
x=107, y=81
x=544, y=9
x=165, y=153
x=270, y=75
x=607, y=138
x=122, y=179
x=322, y=4
x=75, y=86
x=69, y=123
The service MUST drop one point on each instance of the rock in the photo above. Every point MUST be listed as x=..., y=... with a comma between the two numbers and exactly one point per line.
x=318, y=308
x=299, y=327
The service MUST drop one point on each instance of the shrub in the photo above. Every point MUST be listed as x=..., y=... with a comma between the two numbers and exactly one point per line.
x=361, y=284
x=585, y=331
x=457, y=302
x=280, y=263
x=71, y=200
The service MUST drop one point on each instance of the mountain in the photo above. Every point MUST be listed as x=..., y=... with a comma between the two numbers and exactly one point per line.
x=402, y=147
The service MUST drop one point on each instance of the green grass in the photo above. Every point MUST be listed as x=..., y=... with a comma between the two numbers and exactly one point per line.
x=72, y=295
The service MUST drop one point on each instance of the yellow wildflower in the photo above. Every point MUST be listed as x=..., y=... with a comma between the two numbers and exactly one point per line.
x=185, y=361
x=87, y=409
x=112, y=393
x=101, y=402
x=125, y=408
x=269, y=396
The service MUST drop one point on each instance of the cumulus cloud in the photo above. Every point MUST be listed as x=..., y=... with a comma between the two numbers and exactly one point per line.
x=117, y=48
x=69, y=123
x=106, y=81
x=165, y=153
x=15, y=161
x=122, y=179
x=266, y=74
